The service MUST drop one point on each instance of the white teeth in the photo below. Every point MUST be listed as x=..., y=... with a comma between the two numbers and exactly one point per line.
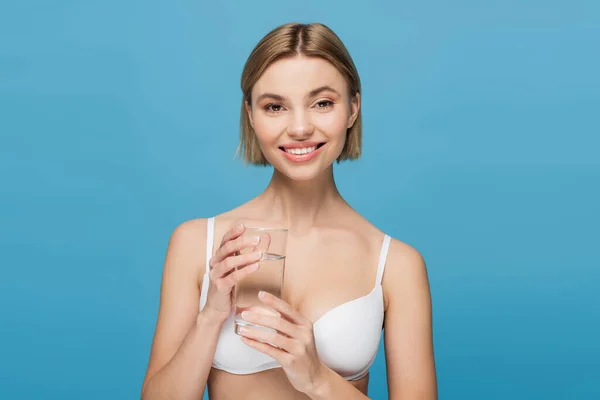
x=300, y=151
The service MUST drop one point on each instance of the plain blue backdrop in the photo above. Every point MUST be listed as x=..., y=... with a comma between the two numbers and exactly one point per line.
x=119, y=120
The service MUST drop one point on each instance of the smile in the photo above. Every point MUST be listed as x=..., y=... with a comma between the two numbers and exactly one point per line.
x=303, y=152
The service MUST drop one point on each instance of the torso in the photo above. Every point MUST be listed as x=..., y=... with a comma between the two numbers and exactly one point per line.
x=270, y=384
x=346, y=252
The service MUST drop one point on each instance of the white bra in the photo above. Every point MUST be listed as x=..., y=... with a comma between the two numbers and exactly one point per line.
x=346, y=337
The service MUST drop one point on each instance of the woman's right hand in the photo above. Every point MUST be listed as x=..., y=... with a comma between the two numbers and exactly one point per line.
x=227, y=267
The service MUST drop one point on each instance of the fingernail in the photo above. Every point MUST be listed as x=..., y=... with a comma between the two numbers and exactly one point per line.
x=262, y=295
x=240, y=227
x=255, y=239
x=258, y=254
x=245, y=314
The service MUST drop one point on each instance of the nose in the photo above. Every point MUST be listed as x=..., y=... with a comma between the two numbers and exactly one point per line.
x=300, y=126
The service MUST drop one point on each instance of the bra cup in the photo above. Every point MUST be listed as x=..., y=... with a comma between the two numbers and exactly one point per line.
x=347, y=338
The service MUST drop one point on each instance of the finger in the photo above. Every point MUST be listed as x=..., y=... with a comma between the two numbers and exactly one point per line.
x=233, y=247
x=265, y=243
x=264, y=310
x=270, y=338
x=240, y=274
x=283, y=307
x=271, y=321
x=228, y=265
x=233, y=233
x=279, y=355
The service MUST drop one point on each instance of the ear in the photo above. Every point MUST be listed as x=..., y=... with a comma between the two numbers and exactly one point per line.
x=354, y=108
x=249, y=112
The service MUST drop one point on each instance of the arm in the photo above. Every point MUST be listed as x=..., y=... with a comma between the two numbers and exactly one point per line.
x=408, y=326
x=185, y=340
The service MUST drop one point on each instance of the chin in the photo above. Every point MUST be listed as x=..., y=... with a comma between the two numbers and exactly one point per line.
x=301, y=173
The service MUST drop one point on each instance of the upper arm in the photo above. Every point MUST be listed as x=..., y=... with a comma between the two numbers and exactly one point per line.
x=408, y=332
x=179, y=293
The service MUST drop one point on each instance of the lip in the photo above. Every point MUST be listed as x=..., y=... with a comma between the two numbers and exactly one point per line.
x=302, y=158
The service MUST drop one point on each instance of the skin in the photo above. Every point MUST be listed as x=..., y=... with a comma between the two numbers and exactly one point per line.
x=327, y=239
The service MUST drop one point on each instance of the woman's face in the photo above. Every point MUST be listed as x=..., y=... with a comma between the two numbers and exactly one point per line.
x=300, y=111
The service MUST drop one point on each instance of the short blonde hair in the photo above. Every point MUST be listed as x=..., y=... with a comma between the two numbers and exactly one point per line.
x=289, y=40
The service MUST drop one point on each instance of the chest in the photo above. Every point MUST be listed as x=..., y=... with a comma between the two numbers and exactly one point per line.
x=323, y=273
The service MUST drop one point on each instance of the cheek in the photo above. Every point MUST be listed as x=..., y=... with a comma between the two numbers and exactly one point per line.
x=335, y=122
x=268, y=129
x=332, y=124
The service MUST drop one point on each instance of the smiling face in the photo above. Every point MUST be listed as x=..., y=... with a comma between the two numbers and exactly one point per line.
x=301, y=110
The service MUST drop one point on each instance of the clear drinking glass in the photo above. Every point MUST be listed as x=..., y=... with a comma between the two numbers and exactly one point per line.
x=268, y=277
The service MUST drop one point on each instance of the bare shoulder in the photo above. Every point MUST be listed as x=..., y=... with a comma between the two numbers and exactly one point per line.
x=190, y=230
x=404, y=258
x=405, y=275
x=187, y=245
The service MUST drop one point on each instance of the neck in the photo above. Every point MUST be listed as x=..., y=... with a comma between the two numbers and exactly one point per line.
x=301, y=204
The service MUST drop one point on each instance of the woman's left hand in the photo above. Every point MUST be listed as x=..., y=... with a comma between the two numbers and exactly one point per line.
x=294, y=338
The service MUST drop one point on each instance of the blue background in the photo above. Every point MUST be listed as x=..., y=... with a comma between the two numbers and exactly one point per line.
x=119, y=120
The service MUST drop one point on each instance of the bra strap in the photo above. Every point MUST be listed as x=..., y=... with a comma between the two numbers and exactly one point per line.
x=210, y=231
x=382, y=258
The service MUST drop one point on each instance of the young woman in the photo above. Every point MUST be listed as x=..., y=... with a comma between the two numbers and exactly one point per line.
x=344, y=281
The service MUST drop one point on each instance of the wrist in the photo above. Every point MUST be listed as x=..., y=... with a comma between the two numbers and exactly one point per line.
x=210, y=318
x=322, y=384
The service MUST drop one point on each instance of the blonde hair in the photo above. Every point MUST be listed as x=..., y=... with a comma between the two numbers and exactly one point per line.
x=289, y=40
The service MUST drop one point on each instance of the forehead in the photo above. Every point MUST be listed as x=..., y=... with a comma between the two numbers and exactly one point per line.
x=299, y=75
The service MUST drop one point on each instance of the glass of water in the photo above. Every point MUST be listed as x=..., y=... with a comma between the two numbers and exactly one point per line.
x=268, y=277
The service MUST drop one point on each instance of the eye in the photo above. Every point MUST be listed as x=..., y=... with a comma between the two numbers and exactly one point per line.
x=324, y=104
x=272, y=107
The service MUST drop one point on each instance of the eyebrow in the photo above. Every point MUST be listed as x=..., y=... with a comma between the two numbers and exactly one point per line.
x=325, y=88
x=312, y=93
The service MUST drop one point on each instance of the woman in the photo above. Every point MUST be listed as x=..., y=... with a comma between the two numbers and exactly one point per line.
x=345, y=279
